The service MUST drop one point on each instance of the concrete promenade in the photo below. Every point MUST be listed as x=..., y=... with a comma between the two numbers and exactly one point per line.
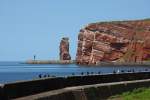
x=89, y=92
x=89, y=86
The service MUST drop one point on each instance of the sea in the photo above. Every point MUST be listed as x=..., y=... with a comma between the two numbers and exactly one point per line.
x=20, y=71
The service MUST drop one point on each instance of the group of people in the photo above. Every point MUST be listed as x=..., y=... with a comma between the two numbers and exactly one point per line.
x=45, y=75
x=87, y=73
x=92, y=73
x=127, y=71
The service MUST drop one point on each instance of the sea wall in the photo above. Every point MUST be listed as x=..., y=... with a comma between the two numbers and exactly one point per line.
x=25, y=88
x=90, y=92
x=50, y=62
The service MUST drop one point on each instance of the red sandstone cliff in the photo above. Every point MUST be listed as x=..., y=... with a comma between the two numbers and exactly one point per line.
x=64, y=49
x=117, y=41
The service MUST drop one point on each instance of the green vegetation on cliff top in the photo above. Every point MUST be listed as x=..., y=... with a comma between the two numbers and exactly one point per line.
x=119, y=21
x=137, y=94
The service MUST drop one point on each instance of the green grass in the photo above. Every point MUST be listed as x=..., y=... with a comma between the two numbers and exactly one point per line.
x=119, y=21
x=137, y=94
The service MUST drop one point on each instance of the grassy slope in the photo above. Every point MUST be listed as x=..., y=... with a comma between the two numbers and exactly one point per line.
x=137, y=94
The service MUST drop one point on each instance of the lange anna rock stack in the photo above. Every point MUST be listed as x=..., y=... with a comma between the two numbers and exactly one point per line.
x=117, y=41
x=64, y=49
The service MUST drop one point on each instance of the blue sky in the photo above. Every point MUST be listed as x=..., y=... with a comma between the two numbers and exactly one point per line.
x=29, y=27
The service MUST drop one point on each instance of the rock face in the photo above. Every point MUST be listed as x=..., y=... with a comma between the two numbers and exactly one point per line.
x=117, y=41
x=64, y=49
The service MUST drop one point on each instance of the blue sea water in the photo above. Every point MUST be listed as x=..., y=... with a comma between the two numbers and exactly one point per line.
x=19, y=71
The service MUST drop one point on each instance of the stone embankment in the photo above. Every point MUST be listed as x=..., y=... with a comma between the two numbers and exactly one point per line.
x=50, y=62
x=90, y=92
x=26, y=88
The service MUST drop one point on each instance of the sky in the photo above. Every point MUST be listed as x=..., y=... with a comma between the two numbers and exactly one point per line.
x=35, y=27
